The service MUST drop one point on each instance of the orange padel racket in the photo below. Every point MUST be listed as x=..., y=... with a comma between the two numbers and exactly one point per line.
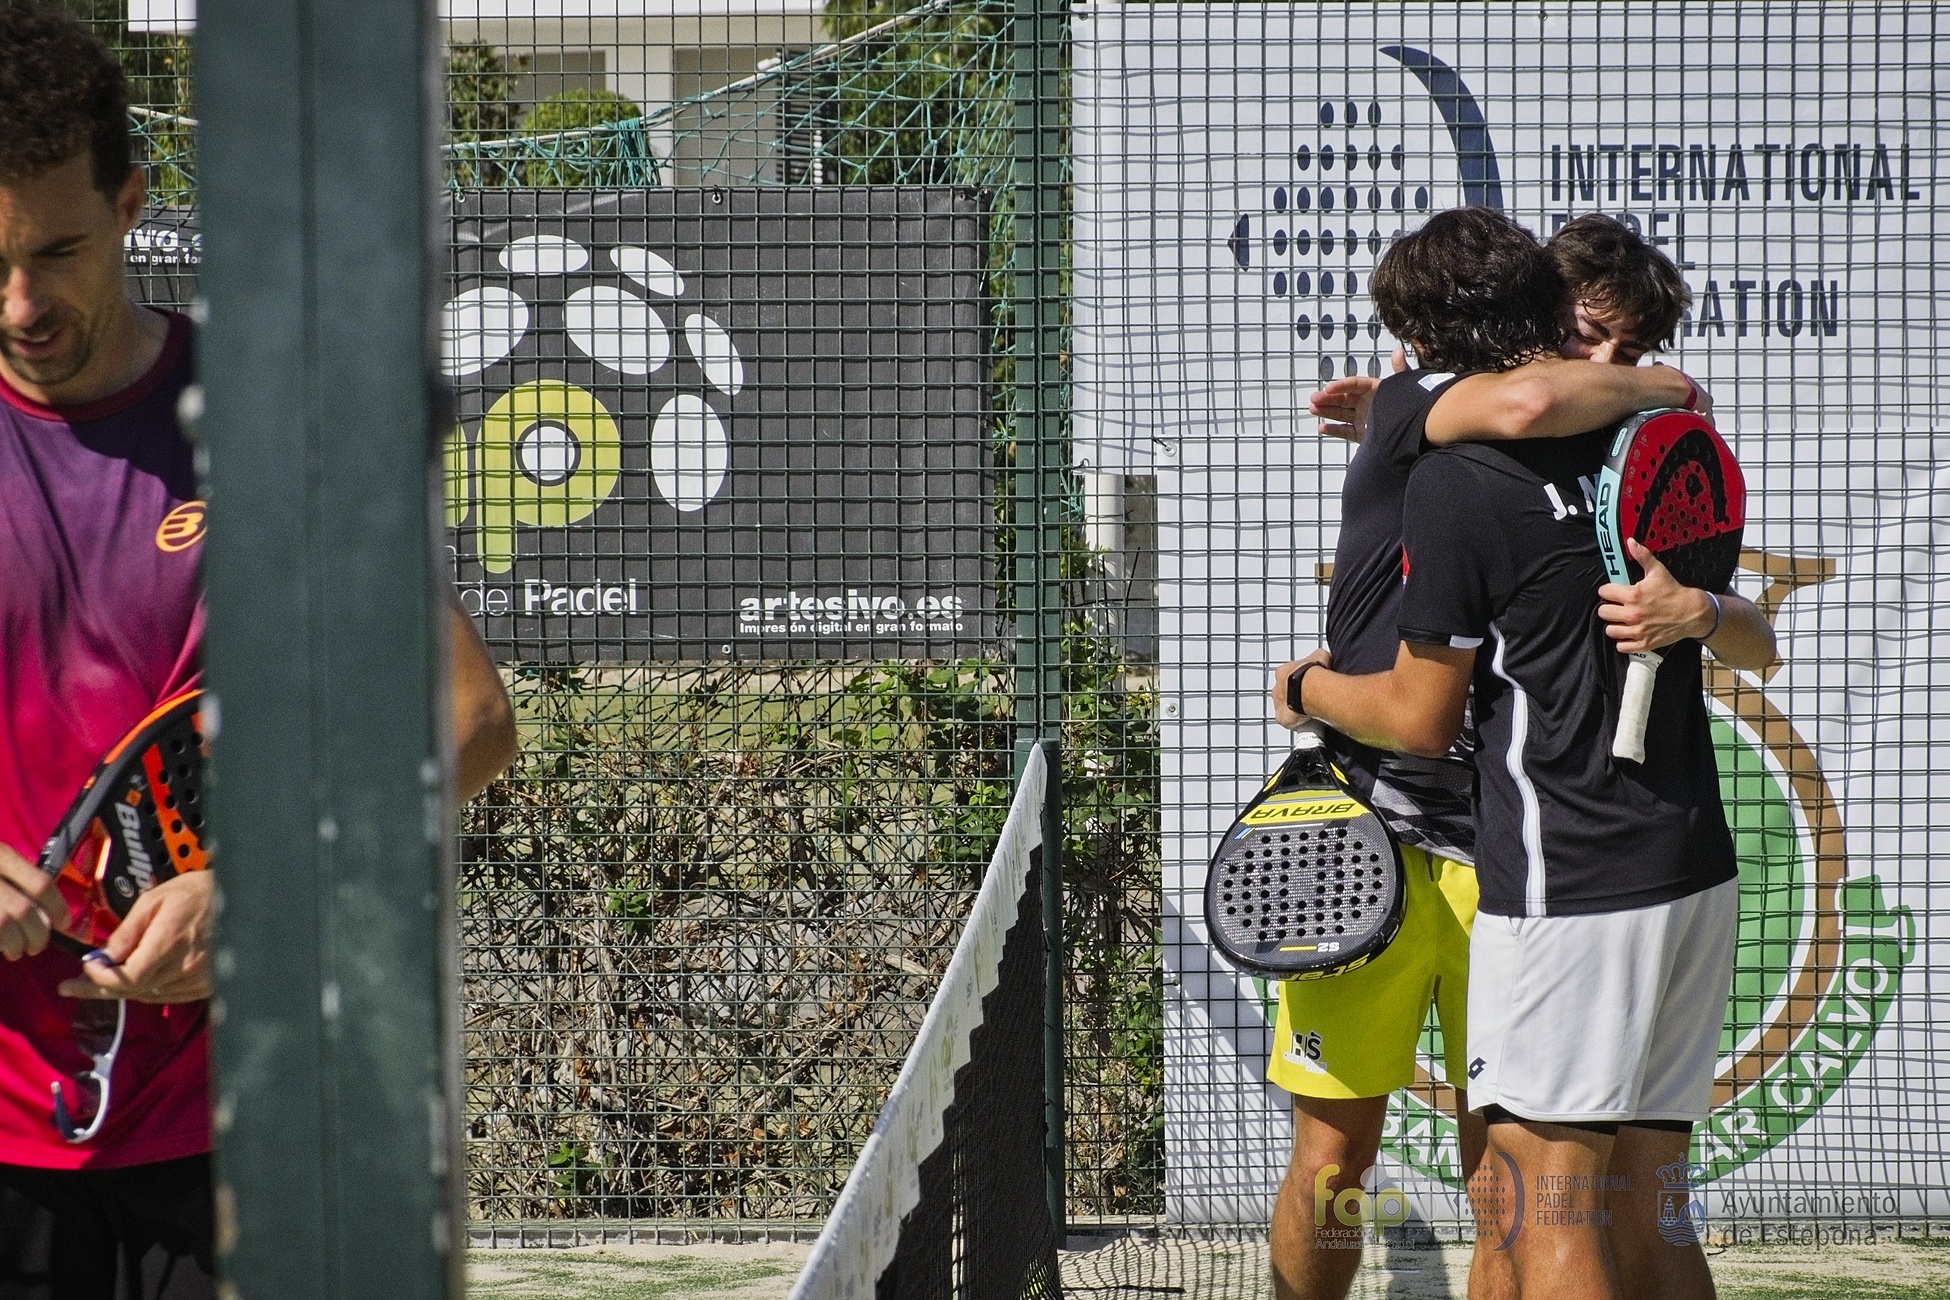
x=137, y=822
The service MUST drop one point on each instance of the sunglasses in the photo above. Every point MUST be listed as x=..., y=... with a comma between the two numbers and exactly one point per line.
x=98, y=1027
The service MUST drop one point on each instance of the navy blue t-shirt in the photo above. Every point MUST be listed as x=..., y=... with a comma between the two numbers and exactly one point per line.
x=1426, y=801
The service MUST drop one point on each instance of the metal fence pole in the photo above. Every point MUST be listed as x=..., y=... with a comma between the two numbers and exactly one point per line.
x=337, y=1060
x=1040, y=32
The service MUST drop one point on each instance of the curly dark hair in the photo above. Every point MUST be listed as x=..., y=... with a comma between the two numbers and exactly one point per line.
x=1608, y=265
x=61, y=93
x=1470, y=290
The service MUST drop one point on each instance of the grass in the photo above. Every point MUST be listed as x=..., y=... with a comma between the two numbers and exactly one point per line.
x=634, y=1273
x=1205, y=1270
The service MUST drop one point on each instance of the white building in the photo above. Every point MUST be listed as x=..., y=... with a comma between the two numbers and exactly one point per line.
x=655, y=52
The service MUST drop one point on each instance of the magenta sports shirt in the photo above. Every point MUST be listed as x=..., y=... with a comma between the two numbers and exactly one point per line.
x=101, y=618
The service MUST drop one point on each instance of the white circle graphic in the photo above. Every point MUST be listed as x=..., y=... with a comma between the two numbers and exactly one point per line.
x=716, y=352
x=689, y=453
x=544, y=255
x=479, y=328
x=617, y=329
x=649, y=270
x=549, y=454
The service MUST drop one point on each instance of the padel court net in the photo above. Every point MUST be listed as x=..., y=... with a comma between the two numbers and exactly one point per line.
x=946, y=1201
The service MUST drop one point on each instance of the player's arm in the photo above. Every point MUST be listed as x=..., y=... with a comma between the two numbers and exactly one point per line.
x=1416, y=707
x=28, y=898
x=484, y=721
x=1656, y=611
x=1553, y=398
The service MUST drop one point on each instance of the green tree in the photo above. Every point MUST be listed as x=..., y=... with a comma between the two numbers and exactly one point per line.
x=566, y=148
x=572, y=110
x=480, y=93
x=925, y=103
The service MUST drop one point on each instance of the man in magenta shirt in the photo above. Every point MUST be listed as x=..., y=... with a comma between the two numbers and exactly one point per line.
x=101, y=618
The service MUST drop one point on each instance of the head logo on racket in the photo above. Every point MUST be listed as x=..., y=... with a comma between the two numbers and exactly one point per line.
x=1672, y=485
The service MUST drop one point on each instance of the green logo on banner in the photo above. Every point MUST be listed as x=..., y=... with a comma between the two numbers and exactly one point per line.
x=1818, y=964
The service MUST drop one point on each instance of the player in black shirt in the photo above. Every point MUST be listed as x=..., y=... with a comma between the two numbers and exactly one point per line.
x=1341, y=1045
x=1599, y=968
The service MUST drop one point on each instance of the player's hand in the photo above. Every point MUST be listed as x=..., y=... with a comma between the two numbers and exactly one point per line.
x=1281, y=713
x=1342, y=405
x=161, y=950
x=1655, y=611
x=29, y=899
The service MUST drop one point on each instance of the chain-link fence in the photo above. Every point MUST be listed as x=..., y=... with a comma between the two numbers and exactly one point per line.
x=703, y=913
x=761, y=318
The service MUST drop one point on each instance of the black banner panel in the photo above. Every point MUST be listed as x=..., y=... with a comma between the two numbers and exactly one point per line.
x=722, y=423
x=704, y=424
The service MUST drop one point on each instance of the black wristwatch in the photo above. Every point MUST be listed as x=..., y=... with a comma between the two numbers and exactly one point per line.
x=1293, y=687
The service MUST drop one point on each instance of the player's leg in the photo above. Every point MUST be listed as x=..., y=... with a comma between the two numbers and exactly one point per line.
x=1656, y=1255
x=1560, y=1247
x=1340, y=1046
x=165, y=1219
x=1562, y=1011
x=1334, y=1143
x=1490, y=1276
x=55, y=1244
x=1655, y=1234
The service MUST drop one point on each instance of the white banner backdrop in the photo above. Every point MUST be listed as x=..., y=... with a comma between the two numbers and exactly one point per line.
x=1238, y=171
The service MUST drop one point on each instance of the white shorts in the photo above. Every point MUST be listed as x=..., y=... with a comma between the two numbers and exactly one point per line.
x=1614, y=1016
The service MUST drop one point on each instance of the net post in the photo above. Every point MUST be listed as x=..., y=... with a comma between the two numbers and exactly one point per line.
x=1040, y=33
x=336, y=1058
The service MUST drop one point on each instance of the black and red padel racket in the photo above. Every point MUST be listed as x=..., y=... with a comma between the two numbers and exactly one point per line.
x=1671, y=484
x=137, y=822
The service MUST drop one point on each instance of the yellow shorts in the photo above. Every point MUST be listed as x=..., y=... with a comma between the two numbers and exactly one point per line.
x=1353, y=1035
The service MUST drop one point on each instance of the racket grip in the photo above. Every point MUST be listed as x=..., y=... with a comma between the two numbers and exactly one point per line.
x=1635, y=706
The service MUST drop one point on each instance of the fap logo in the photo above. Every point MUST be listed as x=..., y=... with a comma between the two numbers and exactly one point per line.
x=687, y=423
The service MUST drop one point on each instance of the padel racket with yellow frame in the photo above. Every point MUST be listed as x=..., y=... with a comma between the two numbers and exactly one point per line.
x=137, y=821
x=1308, y=881
x=1671, y=484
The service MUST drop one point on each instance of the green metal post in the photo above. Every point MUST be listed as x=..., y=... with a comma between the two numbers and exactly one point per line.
x=1040, y=33
x=336, y=1050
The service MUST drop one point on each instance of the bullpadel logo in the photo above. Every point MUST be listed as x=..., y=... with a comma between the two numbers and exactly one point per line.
x=1820, y=953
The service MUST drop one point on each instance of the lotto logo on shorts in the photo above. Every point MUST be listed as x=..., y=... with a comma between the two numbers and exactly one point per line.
x=1302, y=808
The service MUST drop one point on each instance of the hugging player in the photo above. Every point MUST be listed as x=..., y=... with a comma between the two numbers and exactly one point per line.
x=1342, y=1044
x=1599, y=968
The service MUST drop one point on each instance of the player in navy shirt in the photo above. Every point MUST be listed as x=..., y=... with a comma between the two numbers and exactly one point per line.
x=1341, y=1045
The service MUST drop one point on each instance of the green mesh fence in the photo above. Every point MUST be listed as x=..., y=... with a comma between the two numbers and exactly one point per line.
x=705, y=910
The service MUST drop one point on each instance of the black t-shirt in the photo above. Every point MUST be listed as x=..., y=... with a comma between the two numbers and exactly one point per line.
x=1503, y=555
x=1426, y=801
